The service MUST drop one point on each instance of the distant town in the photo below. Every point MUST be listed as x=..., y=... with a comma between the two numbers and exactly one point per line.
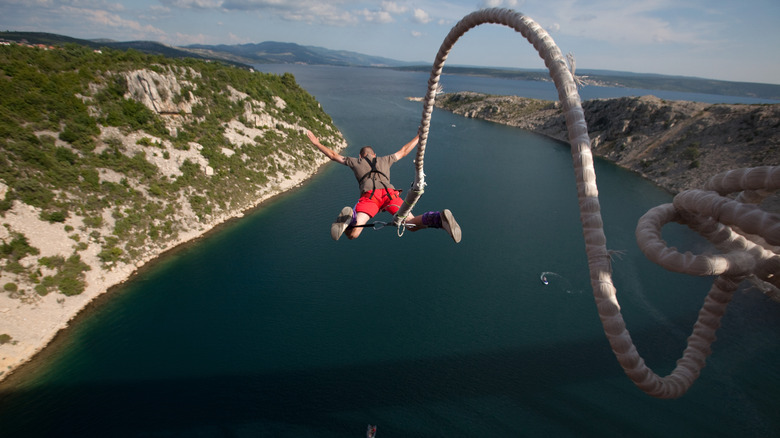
x=25, y=43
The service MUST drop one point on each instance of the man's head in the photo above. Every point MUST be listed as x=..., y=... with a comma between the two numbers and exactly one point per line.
x=367, y=152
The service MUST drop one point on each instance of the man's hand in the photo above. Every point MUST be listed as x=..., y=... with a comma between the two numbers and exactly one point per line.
x=405, y=149
x=324, y=149
x=313, y=138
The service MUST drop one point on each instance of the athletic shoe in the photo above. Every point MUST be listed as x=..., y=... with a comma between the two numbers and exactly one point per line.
x=342, y=222
x=450, y=226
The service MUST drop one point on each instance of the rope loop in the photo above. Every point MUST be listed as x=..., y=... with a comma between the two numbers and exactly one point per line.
x=747, y=236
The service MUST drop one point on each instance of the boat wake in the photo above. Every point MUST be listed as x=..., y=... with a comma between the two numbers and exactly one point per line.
x=558, y=282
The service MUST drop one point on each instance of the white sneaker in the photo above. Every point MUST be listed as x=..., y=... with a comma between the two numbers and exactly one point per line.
x=450, y=226
x=342, y=222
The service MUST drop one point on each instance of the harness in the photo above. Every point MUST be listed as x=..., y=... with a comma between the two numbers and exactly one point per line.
x=374, y=170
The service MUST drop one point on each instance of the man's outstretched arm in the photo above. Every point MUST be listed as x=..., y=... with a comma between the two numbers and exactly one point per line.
x=405, y=149
x=330, y=153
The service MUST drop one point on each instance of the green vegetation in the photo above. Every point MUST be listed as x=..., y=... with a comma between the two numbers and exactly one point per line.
x=691, y=153
x=18, y=248
x=69, y=278
x=507, y=106
x=56, y=154
x=5, y=339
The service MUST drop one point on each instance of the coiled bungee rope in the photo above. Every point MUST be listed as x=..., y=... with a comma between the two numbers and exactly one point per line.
x=748, y=237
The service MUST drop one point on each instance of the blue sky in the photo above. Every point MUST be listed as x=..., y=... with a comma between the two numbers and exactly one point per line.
x=735, y=40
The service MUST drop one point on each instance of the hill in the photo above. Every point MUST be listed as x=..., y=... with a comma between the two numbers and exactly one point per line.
x=108, y=159
x=678, y=145
x=605, y=78
x=271, y=52
x=148, y=47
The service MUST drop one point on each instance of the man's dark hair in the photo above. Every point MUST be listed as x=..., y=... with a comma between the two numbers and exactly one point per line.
x=366, y=150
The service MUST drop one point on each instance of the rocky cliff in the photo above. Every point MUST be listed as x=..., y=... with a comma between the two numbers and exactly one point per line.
x=676, y=144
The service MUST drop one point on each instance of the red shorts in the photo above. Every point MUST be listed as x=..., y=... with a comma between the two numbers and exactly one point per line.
x=380, y=201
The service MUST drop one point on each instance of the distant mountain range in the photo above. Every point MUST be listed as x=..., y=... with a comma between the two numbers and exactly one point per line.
x=271, y=52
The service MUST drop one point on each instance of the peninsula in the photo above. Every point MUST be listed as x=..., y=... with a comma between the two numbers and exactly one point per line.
x=678, y=145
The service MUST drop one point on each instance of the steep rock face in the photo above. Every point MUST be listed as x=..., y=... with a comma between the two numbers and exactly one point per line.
x=161, y=93
x=678, y=145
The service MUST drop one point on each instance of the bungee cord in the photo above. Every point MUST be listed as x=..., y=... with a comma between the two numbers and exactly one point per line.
x=748, y=237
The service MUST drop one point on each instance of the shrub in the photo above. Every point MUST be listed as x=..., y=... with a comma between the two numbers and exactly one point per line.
x=93, y=221
x=41, y=290
x=80, y=132
x=53, y=262
x=5, y=339
x=54, y=216
x=18, y=248
x=65, y=155
x=6, y=204
x=69, y=278
x=14, y=267
x=33, y=193
x=10, y=287
x=691, y=152
x=110, y=254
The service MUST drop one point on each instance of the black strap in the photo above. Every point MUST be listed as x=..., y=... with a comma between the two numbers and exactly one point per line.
x=377, y=225
x=372, y=163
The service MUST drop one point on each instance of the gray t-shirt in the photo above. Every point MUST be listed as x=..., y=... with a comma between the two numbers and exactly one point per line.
x=360, y=166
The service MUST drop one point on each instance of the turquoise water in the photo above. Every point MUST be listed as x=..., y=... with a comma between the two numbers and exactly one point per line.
x=269, y=328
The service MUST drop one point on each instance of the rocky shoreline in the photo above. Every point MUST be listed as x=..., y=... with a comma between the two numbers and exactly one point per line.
x=676, y=144
x=35, y=324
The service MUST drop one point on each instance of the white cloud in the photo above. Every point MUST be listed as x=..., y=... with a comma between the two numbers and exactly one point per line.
x=394, y=7
x=420, y=16
x=193, y=4
x=416, y=34
x=375, y=16
x=113, y=21
x=39, y=3
x=512, y=4
x=625, y=23
x=331, y=13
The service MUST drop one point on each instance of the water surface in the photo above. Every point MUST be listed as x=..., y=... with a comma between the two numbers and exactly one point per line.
x=269, y=328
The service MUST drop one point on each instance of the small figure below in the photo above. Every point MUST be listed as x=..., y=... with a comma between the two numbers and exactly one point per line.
x=544, y=279
x=371, y=431
x=378, y=194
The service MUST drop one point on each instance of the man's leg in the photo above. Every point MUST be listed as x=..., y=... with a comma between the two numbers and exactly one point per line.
x=354, y=231
x=348, y=220
x=437, y=219
x=343, y=220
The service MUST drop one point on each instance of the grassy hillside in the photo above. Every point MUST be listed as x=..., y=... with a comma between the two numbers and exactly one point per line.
x=124, y=151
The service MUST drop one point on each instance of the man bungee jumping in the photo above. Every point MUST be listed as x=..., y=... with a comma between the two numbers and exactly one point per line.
x=378, y=194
